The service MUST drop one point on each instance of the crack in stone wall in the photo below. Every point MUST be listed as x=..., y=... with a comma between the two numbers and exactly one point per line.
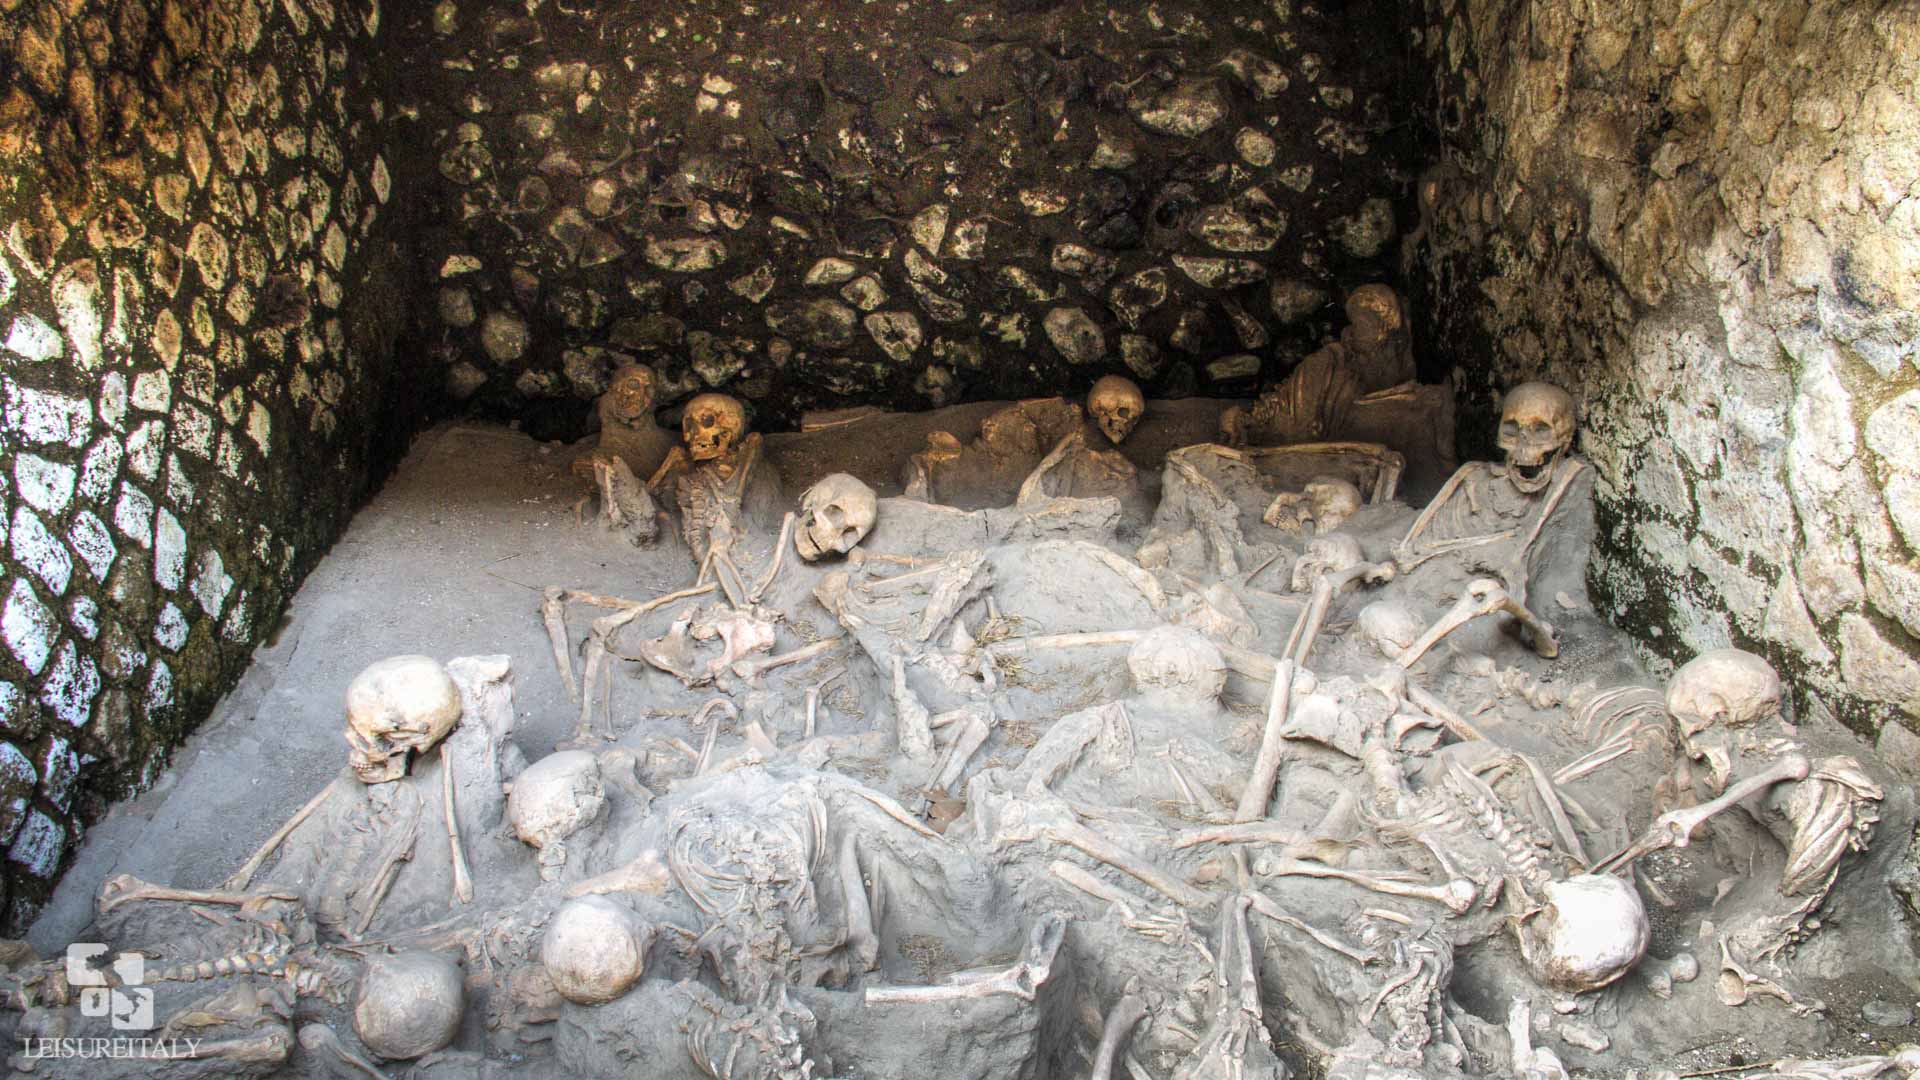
x=197, y=313
x=1702, y=219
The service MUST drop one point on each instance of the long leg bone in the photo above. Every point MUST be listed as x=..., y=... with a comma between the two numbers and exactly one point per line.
x=318, y=1038
x=813, y=699
x=604, y=628
x=862, y=938
x=1264, y=904
x=1250, y=832
x=1457, y=895
x=125, y=889
x=462, y=880
x=971, y=726
x=1675, y=827
x=1022, y=980
x=271, y=1048
x=244, y=876
x=1126, y=1013
x=1150, y=925
x=646, y=874
x=914, y=723
x=1259, y=789
x=1078, y=836
x=753, y=669
x=553, y=612
x=1306, y=629
x=1482, y=596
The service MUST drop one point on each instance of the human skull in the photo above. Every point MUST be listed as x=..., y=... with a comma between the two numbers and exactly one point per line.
x=396, y=708
x=1117, y=406
x=1374, y=314
x=1328, y=554
x=1536, y=430
x=1591, y=930
x=595, y=949
x=711, y=424
x=552, y=799
x=1178, y=666
x=1388, y=627
x=631, y=395
x=409, y=1004
x=1324, y=505
x=1714, y=692
x=836, y=514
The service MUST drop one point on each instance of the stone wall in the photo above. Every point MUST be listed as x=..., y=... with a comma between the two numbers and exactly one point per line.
x=1701, y=217
x=831, y=201
x=198, y=299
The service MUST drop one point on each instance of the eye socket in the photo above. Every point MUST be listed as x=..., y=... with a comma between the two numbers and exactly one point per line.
x=1509, y=430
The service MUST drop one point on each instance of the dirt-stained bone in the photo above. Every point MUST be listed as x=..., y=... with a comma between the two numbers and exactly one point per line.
x=397, y=708
x=594, y=949
x=1117, y=405
x=409, y=1004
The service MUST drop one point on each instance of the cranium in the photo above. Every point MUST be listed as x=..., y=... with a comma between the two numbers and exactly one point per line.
x=1373, y=314
x=836, y=514
x=1388, y=627
x=595, y=950
x=1117, y=406
x=1536, y=430
x=1716, y=691
x=1324, y=505
x=409, y=1004
x=552, y=799
x=396, y=708
x=711, y=425
x=1591, y=930
x=631, y=394
x=1177, y=666
x=1325, y=554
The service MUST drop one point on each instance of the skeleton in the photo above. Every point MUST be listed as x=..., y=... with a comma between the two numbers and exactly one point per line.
x=1317, y=400
x=348, y=846
x=628, y=432
x=836, y=514
x=1725, y=709
x=988, y=470
x=720, y=487
x=1493, y=516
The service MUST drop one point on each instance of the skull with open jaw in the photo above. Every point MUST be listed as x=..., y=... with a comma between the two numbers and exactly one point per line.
x=1536, y=431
